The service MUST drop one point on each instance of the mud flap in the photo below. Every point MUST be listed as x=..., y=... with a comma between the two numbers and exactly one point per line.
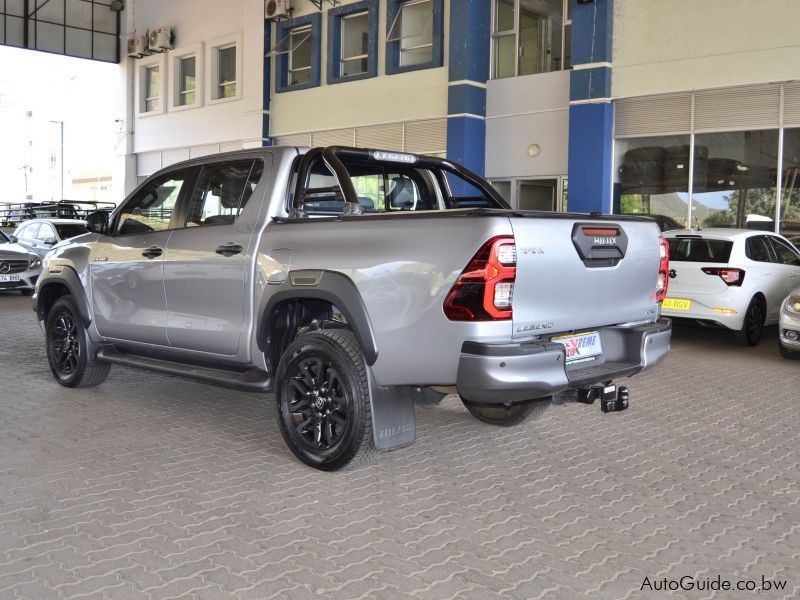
x=394, y=424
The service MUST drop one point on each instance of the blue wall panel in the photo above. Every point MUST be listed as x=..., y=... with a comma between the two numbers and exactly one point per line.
x=590, y=157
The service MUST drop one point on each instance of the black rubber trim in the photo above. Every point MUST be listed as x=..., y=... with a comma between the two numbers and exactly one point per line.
x=335, y=288
x=522, y=349
x=69, y=278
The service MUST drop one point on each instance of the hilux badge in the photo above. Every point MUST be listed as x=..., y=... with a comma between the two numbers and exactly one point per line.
x=604, y=241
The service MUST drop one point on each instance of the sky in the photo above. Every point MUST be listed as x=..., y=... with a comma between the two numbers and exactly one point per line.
x=54, y=89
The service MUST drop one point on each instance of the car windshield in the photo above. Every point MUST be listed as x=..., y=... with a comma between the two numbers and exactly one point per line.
x=70, y=230
x=699, y=250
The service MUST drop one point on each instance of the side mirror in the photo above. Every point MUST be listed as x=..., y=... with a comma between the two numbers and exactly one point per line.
x=13, y=239
x=97, y=222
x=50, y=241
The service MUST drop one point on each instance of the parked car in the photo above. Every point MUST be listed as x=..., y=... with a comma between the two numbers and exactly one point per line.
x=789, y=326
x=40, y=235
x=19, y=268
x=730, y=278
x=224, y=269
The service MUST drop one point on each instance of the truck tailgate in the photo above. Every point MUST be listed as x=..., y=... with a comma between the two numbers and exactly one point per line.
x=578, y=275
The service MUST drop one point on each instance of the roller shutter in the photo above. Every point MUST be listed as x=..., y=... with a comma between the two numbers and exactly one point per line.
x=653, y=115
x=751, y=107
x=426, y=137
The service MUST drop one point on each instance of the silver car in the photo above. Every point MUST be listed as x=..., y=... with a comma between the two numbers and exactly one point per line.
x=789, y=326
x=351, y=283
x=40, y=235
x=19, y=268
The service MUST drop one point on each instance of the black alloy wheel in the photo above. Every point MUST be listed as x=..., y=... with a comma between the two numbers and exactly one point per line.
x=753, y=326
x=322, y=400
x=67, y=346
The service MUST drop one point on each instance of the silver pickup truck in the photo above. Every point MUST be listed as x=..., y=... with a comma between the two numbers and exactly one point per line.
x=353, y=283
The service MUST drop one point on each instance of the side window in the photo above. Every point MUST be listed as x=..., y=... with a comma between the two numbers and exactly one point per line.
x=45, y=233
x=152, y=207
x=222, y=192
x=30, y=231
x=786, y=254
x=758, y=249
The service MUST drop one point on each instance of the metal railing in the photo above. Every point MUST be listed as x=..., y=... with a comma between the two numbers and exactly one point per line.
x=12, y=215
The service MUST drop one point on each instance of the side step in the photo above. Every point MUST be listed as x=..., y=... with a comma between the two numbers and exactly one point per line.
x=251, y=380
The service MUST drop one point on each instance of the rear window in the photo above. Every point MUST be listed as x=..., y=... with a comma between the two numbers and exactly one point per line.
x=699, y=250
x=67, y=231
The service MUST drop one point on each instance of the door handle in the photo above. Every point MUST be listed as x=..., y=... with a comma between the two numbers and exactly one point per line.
x=229, y=249
x=153, y=252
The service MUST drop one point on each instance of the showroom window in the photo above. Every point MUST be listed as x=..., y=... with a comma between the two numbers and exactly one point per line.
x=790, y=183
x=530, y=37
x=225, y=69
x=297, y=53
x=353, y=41
x=415, y=35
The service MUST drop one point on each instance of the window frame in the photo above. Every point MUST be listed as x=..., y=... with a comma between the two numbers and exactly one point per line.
x=180, y=202
x=176, y=57
x=142, y=69
x=776, y=243
x=566, y=26
x=186, y=201
x=282, y=30
x=393, y=51
x=212, y=85
x=336, y=18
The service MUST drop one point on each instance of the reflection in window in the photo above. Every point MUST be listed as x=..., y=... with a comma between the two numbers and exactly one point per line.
x=739, y=189
x=652, y=175
x=790, y=183
x=152, y=100
x=226, y=72
x=413, y=30
x=187, y=92
x=355, y=44
x=152, y=207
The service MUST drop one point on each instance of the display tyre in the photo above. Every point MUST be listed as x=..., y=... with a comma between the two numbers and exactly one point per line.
x=26, y=292
x=322, y=400
x=790, y=354
x=67, y=348
x=753, y=326
x=508, y=415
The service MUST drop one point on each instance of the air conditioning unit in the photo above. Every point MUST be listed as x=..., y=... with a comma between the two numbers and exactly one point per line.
x=159, y=39
x=275, y=10
x=137, y=46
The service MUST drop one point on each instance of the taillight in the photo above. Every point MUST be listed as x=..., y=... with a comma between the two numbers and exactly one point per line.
x=485, y=289
x=663, y=272
x=733, y=277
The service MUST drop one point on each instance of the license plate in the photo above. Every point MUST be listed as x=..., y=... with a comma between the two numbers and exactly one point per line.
x=8, y=278
x=581, y=346
x=676, y=304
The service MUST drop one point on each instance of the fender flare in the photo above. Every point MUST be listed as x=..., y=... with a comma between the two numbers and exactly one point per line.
x=330, y=286
x=68, y=278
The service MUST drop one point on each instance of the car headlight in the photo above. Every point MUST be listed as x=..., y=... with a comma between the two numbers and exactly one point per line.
x=35, y=263
x=793, y=303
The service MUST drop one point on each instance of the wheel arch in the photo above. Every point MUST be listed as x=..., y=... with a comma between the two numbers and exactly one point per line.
x=305, y=296
x=54, y=286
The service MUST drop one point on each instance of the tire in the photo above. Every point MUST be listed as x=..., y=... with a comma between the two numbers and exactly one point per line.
x=789, y=354
x=508, y=415
x=26, y=292
x=753, y=326
x=67, y=348
x=325, y=421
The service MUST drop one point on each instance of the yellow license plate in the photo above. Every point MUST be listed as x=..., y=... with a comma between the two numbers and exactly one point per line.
x=676, y=304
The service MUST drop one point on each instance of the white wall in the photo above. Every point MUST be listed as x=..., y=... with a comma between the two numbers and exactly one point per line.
x=382, y=99
x=237, y=122
x=520, y=111
x=674, y=45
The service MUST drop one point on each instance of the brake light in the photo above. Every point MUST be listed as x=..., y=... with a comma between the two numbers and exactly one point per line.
x=663, y=272
x=732, y=277
x=485, y=289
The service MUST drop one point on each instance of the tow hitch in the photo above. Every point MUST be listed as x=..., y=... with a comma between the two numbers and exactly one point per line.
x=612, y=398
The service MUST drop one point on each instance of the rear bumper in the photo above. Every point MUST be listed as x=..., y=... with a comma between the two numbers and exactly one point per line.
x=500, y=373
x=703, y=305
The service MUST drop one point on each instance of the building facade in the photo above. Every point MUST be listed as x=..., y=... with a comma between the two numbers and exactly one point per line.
x=683, y=110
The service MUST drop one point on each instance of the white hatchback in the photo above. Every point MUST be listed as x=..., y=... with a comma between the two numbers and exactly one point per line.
x=731, y=278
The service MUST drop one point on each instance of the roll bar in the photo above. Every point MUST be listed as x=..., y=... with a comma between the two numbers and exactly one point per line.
x=334, y=157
